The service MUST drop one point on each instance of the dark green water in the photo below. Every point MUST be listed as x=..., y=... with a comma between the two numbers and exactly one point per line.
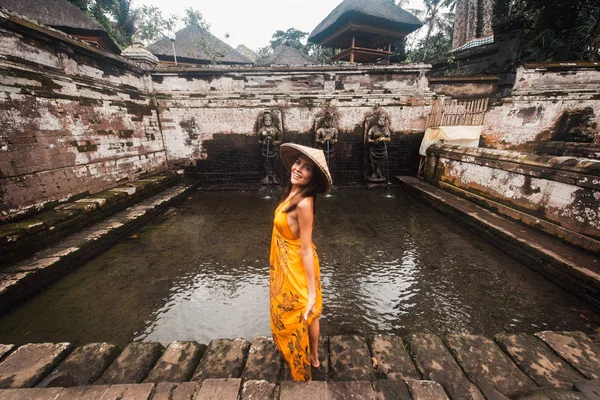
x=389, y=265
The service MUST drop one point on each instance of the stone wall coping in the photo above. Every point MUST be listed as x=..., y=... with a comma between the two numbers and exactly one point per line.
x=561, y=66
x=571, y=164
x=24, y=25
x=464, y=79
x=370, y=68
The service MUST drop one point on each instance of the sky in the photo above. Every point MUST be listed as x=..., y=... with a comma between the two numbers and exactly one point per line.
x=253, y=22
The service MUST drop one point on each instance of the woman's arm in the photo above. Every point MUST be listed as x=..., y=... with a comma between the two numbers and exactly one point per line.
x=304, y=212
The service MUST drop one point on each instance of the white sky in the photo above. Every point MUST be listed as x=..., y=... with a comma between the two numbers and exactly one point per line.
x=253, y=22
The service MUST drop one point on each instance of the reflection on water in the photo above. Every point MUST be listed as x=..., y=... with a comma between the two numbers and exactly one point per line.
x=389, y=265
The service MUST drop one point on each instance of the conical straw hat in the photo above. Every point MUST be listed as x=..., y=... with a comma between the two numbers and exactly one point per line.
x=289, y=152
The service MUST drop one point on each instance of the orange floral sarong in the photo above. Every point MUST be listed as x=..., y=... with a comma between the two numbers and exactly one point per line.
x=289, y=297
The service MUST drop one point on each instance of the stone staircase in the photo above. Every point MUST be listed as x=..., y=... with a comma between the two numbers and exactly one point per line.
x=37, y=250
x=547, y=365
x=572, y=268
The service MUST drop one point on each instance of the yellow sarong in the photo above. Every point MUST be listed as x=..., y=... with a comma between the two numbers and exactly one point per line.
x=289, y=297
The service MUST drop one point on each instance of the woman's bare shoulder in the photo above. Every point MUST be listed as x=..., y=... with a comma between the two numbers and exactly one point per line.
x=305, y=204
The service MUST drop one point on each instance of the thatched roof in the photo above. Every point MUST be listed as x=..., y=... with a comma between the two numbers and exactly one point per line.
x=377, y=13
x=288, y=55
x=196, y=45
x=61, y=15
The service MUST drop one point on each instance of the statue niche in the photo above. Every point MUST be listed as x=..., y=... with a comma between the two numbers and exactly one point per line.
x=270, y=136
x=377, y=135
x=326, y=135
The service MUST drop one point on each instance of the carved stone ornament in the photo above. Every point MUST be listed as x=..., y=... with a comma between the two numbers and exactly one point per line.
x=326, y=134
x=377, y=136
x=270, y=136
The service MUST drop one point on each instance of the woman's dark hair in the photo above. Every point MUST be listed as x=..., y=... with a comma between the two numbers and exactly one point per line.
x=309, y=190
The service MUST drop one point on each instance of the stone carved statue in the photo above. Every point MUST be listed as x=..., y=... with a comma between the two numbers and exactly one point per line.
x=378, y=135
x=326, y=135
x=270, y=137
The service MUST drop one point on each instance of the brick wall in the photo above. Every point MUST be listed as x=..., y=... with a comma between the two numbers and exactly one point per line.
x=209, y=116
x=73, y=120
x=564, y=191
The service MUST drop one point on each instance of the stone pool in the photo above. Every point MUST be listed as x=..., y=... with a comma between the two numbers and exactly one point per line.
x=390, y=264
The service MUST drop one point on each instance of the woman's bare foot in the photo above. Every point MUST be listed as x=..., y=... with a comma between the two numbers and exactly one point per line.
x=315, y=363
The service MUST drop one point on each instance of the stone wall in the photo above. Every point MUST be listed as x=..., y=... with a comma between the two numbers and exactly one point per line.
x=564, y=191
x=73, y=119
x=541, y=95
x=210, y=116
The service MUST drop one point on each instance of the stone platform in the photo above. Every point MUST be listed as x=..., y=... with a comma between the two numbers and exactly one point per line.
x=547, y=365
x=89, y=226
x=575, y=270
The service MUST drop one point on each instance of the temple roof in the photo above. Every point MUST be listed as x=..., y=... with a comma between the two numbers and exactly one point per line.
x=196, y=45
x=377, y=13
x=288, y=55
x=61, y=15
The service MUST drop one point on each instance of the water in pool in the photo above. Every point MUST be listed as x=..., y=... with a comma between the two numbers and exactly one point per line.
x=389, y=265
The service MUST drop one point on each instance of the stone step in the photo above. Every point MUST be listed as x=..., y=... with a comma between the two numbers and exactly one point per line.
x=578, y=349
x=232, y=389
x=487, y=366
x=463, y=366
x=83, y=366
x=21, y=238
x=567, y=266
x=132, y=365
x=27, y=277
x=392, y=359
x=264, y=361
x=223, y=358
x=435, y=363
x=30, y=363
x=350, y=359
x=426, y=390
x=177, y=363
x=538, y=361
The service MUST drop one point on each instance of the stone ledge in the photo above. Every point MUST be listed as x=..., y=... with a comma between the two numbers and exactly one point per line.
x=460, y=366
x=567, y=235
x=21, y=238
x=573, y=168
x=575, y=270
x=25, y=278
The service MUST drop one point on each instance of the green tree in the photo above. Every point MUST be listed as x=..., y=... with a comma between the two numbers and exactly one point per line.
x=292, y=37
x=116, y=16
x=263, y=54
x=560, y=30
x=151, y=24
x=436, y=19
x=194, y=17
x=439, y=44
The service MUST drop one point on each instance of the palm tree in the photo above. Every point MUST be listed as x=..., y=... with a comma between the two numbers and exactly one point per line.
x=435, y=18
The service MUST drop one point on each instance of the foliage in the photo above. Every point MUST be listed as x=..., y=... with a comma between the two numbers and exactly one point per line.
x=147, y=23
x=194, y=17
x=438, y=46
x=438, y=20
x=151, y=24
x=560, y=30
x=292, y=37
x=263, y=54
x=318, y=53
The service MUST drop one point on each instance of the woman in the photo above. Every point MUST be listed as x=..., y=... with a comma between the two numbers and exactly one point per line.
x=295, y=286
